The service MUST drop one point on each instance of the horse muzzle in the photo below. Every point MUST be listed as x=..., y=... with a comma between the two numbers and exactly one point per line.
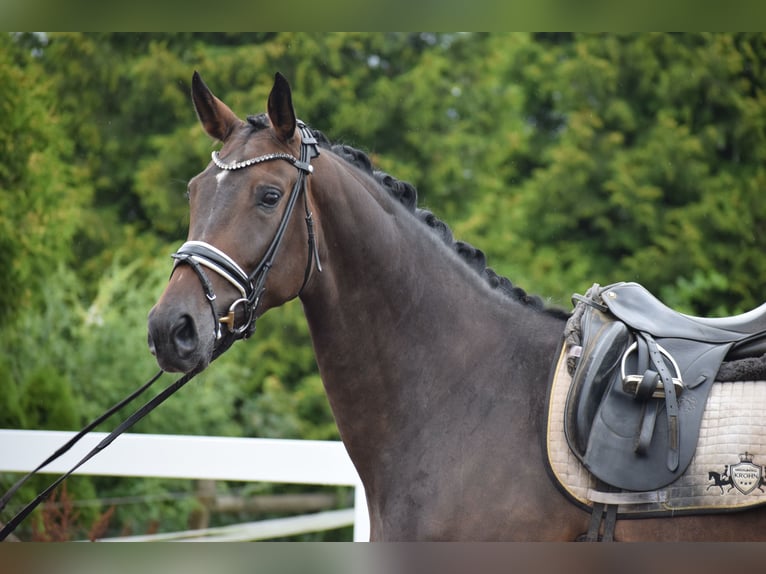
x=177, y=341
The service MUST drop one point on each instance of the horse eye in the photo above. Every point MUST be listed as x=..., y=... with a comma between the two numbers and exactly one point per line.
x=270, y=198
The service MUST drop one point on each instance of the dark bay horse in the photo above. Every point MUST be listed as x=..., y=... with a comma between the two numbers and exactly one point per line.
x=436, y=373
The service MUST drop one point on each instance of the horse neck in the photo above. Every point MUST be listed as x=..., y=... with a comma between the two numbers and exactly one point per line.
x=400, y=325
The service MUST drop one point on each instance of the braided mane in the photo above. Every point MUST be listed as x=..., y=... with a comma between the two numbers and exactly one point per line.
x=407, y=195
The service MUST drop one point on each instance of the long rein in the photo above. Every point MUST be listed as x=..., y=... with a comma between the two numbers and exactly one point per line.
x=136, y=416
x=197, y=255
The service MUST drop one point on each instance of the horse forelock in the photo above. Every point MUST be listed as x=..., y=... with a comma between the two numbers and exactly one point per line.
x=258, y=122
x=406, y=194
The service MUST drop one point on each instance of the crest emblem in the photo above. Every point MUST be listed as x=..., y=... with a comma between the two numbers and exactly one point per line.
x=746, y=476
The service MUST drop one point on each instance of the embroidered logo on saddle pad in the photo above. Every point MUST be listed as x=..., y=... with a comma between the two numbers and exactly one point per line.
x=745, y=476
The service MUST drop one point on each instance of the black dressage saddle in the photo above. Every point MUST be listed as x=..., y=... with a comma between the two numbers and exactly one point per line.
x=641, y=374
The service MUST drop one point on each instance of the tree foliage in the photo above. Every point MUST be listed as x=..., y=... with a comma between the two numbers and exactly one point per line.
x=40, y=193
x=568, y=158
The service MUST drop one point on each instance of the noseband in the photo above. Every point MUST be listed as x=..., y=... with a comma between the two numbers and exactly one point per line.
x=200, y=255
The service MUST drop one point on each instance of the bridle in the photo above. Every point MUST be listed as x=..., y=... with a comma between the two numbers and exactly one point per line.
x=200, y=255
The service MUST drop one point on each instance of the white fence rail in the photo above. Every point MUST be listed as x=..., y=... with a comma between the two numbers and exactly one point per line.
x=204, y=457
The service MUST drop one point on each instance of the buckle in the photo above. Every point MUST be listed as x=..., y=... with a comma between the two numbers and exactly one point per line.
x=631, y=384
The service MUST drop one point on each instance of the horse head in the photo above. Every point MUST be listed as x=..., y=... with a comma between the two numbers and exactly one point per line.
x=241, y=217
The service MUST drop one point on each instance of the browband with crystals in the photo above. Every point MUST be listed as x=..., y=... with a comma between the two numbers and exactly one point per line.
x=307, y=167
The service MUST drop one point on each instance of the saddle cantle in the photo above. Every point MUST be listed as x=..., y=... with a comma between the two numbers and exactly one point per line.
x=641, y=374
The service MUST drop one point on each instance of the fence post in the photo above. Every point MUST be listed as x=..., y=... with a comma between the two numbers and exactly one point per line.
x=200, y=516
x=361, y=515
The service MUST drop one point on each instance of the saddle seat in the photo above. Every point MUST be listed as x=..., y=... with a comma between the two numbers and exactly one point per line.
x=641, y=373
x=636, y=306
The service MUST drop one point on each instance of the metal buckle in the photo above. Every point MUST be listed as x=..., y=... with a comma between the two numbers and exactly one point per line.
x=630, y=382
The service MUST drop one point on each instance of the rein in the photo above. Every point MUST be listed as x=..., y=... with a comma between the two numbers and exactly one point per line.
x=125, y=425
x=129, y=422
x=199, y=254
x=8, y=528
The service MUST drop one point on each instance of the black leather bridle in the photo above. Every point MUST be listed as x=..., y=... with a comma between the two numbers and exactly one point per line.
x=200, y=255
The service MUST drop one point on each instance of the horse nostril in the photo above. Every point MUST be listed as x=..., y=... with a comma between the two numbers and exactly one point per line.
x=184, y=336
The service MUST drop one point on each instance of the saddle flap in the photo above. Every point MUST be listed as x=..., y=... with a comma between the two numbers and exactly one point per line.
x=604, y=342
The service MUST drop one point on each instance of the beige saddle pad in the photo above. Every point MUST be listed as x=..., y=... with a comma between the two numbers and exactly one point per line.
x=727, y=471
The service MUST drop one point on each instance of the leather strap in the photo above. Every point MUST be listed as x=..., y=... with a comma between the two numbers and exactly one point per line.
x=76, y=438
x=606, y=513
x=602, y=512
x=646, y=428
x=193, y=259
x=625, y=498
x=125, y=425
x=595, y=523
x=136, y=416
x=671, y=402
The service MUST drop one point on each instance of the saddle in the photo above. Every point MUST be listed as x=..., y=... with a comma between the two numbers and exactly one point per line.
x=641, y=374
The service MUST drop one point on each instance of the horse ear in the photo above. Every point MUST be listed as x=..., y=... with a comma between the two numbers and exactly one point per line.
x=281, y=112
x=215, y=116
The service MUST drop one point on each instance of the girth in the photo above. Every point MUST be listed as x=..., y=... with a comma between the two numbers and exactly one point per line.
x=641, y=374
